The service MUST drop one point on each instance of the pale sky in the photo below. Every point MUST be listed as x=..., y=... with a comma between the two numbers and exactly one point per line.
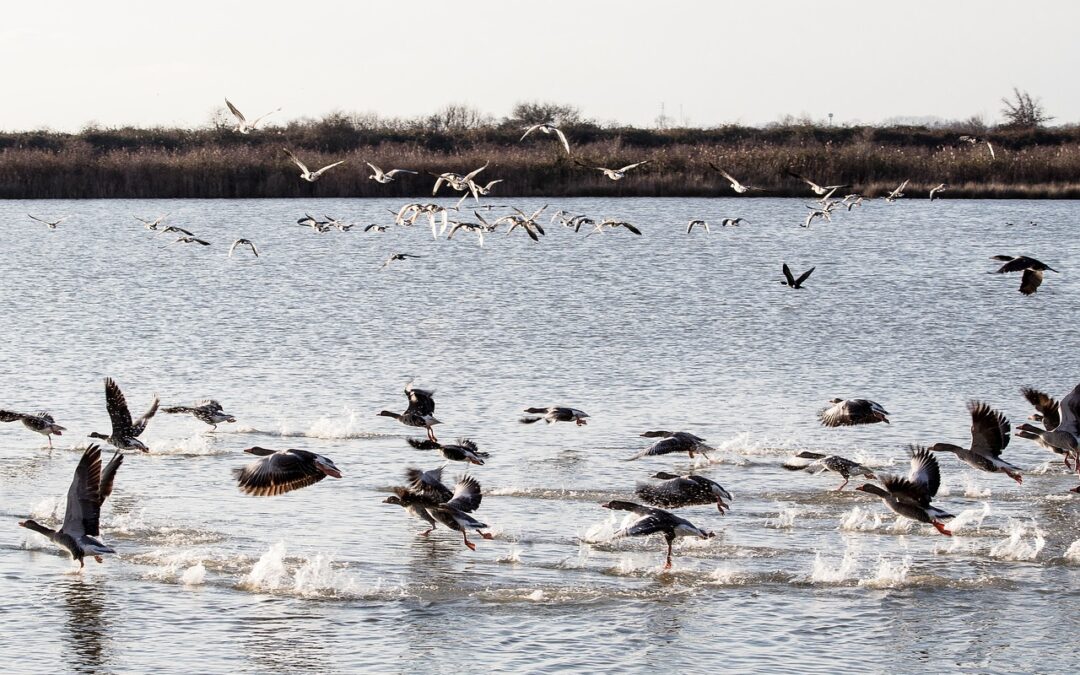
x=146, y=63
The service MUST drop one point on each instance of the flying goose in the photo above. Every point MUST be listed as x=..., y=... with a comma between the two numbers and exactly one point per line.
x=989, y=436
x=190, y=240
x=525, y=222
x=174, y=229
x=556, y=414
x=81, y=527
x=548, y=128
x=306, y=173
x=835, y=463
x=464, y=450
x=1049, y=415
x=790, y=280
x=243, y=242
x=690, y=226
x=611, y=224
x=376, y=227
x=483, y=190
x=419, y=413
x=897, y=193
x=973, y=140
x=818, y=189
x=816, y=213
x=656, y=521
x=151, y=224
x=242, y=125
x=424, y=492
x=1065, y=436
x=471, y=227
x=941, y=187
x=735, y=185
x=910, y=497
x=208, y=412
x=42, y=423
x=733, y=222
x=279, y=471
x=51, y=224
x=613, y=174
x=1033, y=271
x=125, y=431
x=677, y=491
x=398, y=256
x=456, y=181
x=849, y=412
x=673, y=441
x=384, y=177
x=454, y=513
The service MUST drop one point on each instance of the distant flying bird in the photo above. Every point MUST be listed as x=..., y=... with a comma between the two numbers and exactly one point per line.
x=933, y=191
x=457, y=181
x=306, y=173
x=734, y=222
x=548, y=128
x=208, y=412
x=51, y=224
x=381, y=176
x=279, y=471
x=973, y=140
x=42, y=423
x=242, y=125
x=897, y=193
x=816, y=213
x=613, y=174
x=191, y=240
x=695, y=223
x=790, y=280
x=735, y=185
x=672, y=442
x=818, y=189
x=850, y=412
x=463, y=451
x=611, y=224
x=151, y=224
x=556, y=414
x=376, y=227
x=471, y=227
x=173, y=229
x=244, y=242
x=484, y=190
x=1033, y=271
x=398, y=256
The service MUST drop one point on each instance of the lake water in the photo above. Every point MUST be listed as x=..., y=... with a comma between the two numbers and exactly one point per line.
x=306, y=343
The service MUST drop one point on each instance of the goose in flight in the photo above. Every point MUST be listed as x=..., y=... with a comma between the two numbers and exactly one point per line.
x=471, y=227
x=1048, y=412
x=1064, y=437
x=816, y=213
x=483, y=190
x=375, y=227
x=850, y=412
x=456, y=181
x=671, y=442
x=818, y=189
x=656, y=521
x=306, y=173
x=677, y=491
x=1033, y=271
x=208, y=412
x=974, y=139
x=835, y=463
x=174, y=229
x=548, y=128
x=897, y=193
x=82, y=518
x=190, y=240
x=733, y=222
x=526, y=222
x=51, y=224
x=279, y=471
x=989, y=437
x=941, y=187
x=464, y=450
x=151, y=224
x=735, y=185
x=125, y=431
x=42, y=423
x=242, y=125
x=556, y=414
x=419, y=413
x=697, y=223
x=910, y=497
x=613, y=174
x=611, y=224
x=397, y=256
x=243, y=242
x=790, y=280
x=427, y=498
x=384, y=177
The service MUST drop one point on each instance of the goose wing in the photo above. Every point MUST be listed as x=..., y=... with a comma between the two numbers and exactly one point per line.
x=1069, y=412
x=421, y=401
x=805, y=275
x=296, y=160
x=393, y=172
x=278, y=473
x=562, y=137
x=805, y=180
x=260, y=119
x=989, y=429
x=650, y=524
x=117, y=406
x=429, y=484
x=1018, y=264
x=236, y=112
x=1030, y=281
x=529, y=131
x=674, y=493
x=472, y=174
x=788, y=275
x=328, y=167
x=925, y=472
x=108, y=476
x=139, y=425
x=83, y=499
x=1046, y=406
x=632, y=166
x=466, y=495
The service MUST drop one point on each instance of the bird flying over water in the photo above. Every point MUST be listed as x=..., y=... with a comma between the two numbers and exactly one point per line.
x=464, y=450
x=850, y=412
x=818, y=189
x=125, y=432
x=306, y=173
x=790, y=280
x=42, y=423
x=897, y=193
x=548, y=128
x=1033, y=271
x=151, y=224
x=208, y=412
x=556, y=414
x=191, y=240
x=420, y=411
x=697, y=223
x=941, y=187
x=381, y=176
x=677, y=491
x=279, y=471
x=973, y=140
x=51, y=224
x=835, y=463
x=398, y=256
x=673, y=442
x=242, y=125
x=735, y=185
x=910, y=497
x=613, y=174
x=656, y=521
x=989, y=437
x=244, y=242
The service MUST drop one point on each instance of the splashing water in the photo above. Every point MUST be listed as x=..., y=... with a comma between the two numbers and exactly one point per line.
x=1025, y=542
x=194, y=575
x=785, y=519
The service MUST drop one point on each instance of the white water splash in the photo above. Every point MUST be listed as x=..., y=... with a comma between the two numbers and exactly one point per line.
x=859, y=519
x=824, y=571
x=269, y=571
x=1025, y=542
x=889, y=574
x=47, y=508
x=972, y=489
x=194, y=575
x=1073, y=554
x=785, y=518
x=512, y=556
x=969, y=519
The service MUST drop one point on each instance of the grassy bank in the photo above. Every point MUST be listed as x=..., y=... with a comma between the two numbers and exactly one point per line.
x=216, y=162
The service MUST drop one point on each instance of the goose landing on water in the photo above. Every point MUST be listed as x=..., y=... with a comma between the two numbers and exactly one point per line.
x=656, y=521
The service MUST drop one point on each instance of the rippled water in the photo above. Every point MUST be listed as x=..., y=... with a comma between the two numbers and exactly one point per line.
x=307, y=342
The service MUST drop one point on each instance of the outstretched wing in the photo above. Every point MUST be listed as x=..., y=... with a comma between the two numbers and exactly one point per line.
x=236, y=112
x=108, y=476
x=925, y=472
x=1030, y=282
x=83, y=499
x=641, y=527
x=296, y=160
x=328, y=167
x=467, y=495
x=118, y=409
x=277, y=474
x=805, y=276
x=1046, y=406
x=788, y=275
x=421, y=401
x=989, y=429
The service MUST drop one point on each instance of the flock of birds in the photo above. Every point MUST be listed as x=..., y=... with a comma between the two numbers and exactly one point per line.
x=427, y=498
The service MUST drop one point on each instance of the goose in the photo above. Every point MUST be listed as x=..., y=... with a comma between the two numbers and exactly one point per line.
x=897, y=193
x=656, y=521
x=733, y=222
x=432, y=210
x=208, y=412
x=526, y=222
x=279, y=471
x=190, y=240
x=175, y=229
x=81, y=527
x=818, y=189
x=243, y=242
x=735, y=185
x=464, y=450
x=242, y=125
x=989, y=436
x=835, y=463
x=125, y=431
x=548, y=128
x=341, y=225
x=375, y=227
x=1033, y=271
x=456, y=181
x=471, y=227
x=790, y=280
x=483, y=190
x=611, y=224
x=151, y=224
x=852, y=200
x=973, y=140
x=424, y=492
x=454, y=513
x=306, y=173
x=910, y=497
x=941, y=187
x=556, y=414
x=1048, y=413
x=42, y=423
x=673, y=441
x=677, y=491
x=816, y=213
x=51, y=224
x=398, y=256
x=1065, y=436
x=697, y=223
x=419, y=413
x=849, y=412
x=384, y=177
x=614, y=174
x=407, y=214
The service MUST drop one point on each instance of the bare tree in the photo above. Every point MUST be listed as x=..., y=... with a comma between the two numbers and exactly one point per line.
x=458, y=117
x=538, y=112
x=1023, y=111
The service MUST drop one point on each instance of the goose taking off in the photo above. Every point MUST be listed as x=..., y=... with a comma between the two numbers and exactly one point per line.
x=420, y=411
x=1064, y=438
x=89, y=489
x=125, y=431
x=656, y=521
x=941, y=187
x=1048, y=413
x=384, y=177
x=613, y=174
x=279, y=471
x=849, y=412
x=673, y=441
x=548, y=128
x=910, y=497
x=244, y=242
x=242, y=125
x=463, y=451
x=394, y=257
x=835, y=463
x=790, y=280
x=42, y=423
x=897, y=193
x=1033, y=271
x=989, y=436
x=735, y=185
x=818, y=189
x=677, y=491
x=306, y=173
x=51, y=224
x=428, y=499
x=556, y=414
x=208, y=412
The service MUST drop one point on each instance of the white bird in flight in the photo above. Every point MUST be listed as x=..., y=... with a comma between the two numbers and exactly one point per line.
x=151, y=224
x=940, y=188
x=384, y=177
x=242, y=242
x=242, y=125
x=306, y=173
x=897, y=193
x=50, y=224
x=547, y=128
x=735, y=185
x=615, y=174
x=818, y=189
x=690, y=226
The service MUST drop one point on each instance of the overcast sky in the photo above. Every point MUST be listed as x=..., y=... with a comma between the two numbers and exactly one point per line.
x=68, y=63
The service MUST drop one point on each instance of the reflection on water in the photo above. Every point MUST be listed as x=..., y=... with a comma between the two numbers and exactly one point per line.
x=88, y=629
